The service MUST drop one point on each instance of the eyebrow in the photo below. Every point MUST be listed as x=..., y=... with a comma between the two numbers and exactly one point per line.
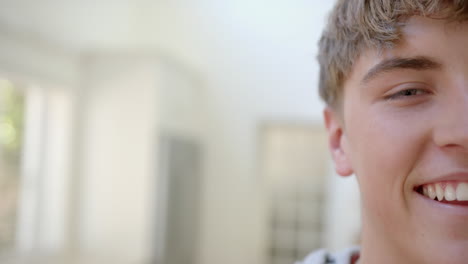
x=414, y=63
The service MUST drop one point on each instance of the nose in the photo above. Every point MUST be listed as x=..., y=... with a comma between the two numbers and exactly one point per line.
x=451, y=130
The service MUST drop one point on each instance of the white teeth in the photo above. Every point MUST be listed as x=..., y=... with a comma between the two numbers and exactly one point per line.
x=450, y=194
x=439, y=192
x=425, y=192
x=462, y=192
x=431, y=192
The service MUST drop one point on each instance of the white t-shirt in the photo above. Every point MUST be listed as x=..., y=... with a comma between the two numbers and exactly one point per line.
x=324, y=257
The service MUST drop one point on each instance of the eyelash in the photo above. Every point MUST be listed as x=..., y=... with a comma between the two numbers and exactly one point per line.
x=406, y=93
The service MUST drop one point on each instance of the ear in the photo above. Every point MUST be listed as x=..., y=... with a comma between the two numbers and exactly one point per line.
x=337, y=142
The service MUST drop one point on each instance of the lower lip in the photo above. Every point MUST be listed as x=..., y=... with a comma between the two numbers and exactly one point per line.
x=449, y=208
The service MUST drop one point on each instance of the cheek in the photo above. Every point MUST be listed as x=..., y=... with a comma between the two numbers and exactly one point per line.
x=385, y=150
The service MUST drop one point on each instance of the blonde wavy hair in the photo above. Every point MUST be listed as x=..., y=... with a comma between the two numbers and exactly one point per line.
x=355, y=25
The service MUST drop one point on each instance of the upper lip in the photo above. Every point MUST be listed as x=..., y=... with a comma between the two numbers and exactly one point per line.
x=456, y=176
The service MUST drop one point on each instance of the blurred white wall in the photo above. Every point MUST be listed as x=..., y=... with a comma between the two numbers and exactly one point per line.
x=119, y=113
x=128, y=103
x=255, y=61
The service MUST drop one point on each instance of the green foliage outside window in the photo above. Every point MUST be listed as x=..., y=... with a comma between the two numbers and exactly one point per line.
x=11, y=127
x=11, y=120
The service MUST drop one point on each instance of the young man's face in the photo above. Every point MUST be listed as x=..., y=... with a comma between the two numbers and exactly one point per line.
x=403, y=129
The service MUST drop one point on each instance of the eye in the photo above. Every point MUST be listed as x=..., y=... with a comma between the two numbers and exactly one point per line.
x=407, y=93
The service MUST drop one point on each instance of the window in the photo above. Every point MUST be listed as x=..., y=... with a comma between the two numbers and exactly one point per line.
x=294, y=159
x=35, y=133
x=11, y=135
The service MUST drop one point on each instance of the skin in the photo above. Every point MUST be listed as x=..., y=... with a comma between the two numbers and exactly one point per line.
x=402, y=128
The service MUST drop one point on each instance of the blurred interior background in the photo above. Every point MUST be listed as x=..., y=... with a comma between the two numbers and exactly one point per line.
x=168, y=132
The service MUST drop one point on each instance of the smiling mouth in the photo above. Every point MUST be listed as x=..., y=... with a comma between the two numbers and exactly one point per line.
x=455, y=193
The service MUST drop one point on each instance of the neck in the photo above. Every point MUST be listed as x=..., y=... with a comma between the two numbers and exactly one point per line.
x=378, y=249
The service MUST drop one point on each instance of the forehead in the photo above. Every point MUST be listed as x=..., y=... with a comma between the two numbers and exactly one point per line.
x=442, y=41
